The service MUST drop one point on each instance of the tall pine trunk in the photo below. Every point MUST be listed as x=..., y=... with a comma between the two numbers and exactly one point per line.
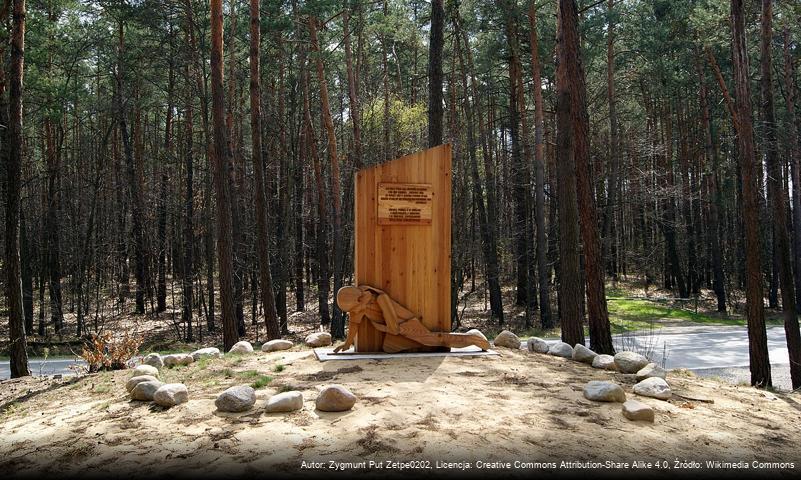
x=281, y=255
x=53, y=239
x=598, y=316
x=543, y=268
x=187, y=270
x=134, y=182
x=337, y=320
x=235, y=175
x=161, y=287
x=779, y=206
x=718, y=276
x=755, y=309
x=202, y=93
x=435, y=46
x=17, y=347
x=262, y=235
x=520, y=171
x=568, y=73
x=795, y=159
x=308, y=140
x=221, y=186
x=613, y=182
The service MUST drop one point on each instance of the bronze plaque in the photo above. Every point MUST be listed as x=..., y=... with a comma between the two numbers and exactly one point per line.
x=405, y=203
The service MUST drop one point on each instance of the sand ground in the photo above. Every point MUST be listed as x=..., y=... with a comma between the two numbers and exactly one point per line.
x=515, y=407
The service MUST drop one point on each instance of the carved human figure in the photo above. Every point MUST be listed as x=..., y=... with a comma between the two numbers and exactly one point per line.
x=403, y=329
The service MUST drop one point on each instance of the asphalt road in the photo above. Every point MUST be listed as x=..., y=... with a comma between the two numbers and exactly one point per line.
x=41, y=366
x=715, y=352
x=710, y=351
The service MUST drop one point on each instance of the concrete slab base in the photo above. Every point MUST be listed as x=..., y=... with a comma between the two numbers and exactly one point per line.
x=327, y=354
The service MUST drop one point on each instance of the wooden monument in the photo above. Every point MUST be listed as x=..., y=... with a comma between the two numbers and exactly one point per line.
x=402, y=224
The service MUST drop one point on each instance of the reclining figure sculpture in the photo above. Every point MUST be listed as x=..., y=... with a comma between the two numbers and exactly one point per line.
x=403, y=329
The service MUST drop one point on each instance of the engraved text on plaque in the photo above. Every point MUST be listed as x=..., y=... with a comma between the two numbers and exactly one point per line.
x=404, y=203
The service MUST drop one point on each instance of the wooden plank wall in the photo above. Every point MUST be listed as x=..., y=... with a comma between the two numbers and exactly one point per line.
x=412, y=263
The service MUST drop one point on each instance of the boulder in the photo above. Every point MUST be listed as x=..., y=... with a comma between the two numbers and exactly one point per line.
x=178, y=359
x=630, y=362
x=634, y=410
x=212, y=352
x=154, y=360
x=276, y=345
x=537, y=345
x=241, y=347
x=654, y=387
x=134, y=381
x=236, y=399
x=319, y=339
x=145, y=370
x=335, y=398
x=561, y=349
x=651, y=370
x=603, y=391
x=475, y=331
x=171, y=394
x=507, y=339
x=285, y=402
x=583, y=354
x=604, y=362
x=144, y=391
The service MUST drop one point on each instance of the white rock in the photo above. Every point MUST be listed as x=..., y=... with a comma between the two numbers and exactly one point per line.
x=654, y=387
x=319, y=339
x=603, y=391
x=236, y=399
x=475, y=331
x=171, y=394
x=153, y=359
x=178, y=359
x=285, y=402
x=335, y=398
x=206, y=352
x=134, y=381
x=241, y=347
x=651, y=370
x=276, y=345
x=630, y=362
x=634, y=410
x=537, y=345
x=145, y=370
x=604, y=362
x=583, y=354
x=507, y=339
x=561, y=349
x=145, y=390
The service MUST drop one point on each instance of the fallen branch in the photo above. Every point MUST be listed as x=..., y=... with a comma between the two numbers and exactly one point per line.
x=693, y=399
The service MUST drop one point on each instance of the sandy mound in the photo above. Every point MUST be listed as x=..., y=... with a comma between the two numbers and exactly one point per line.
x=516, y=407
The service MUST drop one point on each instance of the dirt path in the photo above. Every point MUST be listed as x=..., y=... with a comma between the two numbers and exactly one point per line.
x=516, y=407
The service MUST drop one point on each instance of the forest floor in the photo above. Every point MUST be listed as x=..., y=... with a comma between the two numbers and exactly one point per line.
x=631, y=306
x=518, y=406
